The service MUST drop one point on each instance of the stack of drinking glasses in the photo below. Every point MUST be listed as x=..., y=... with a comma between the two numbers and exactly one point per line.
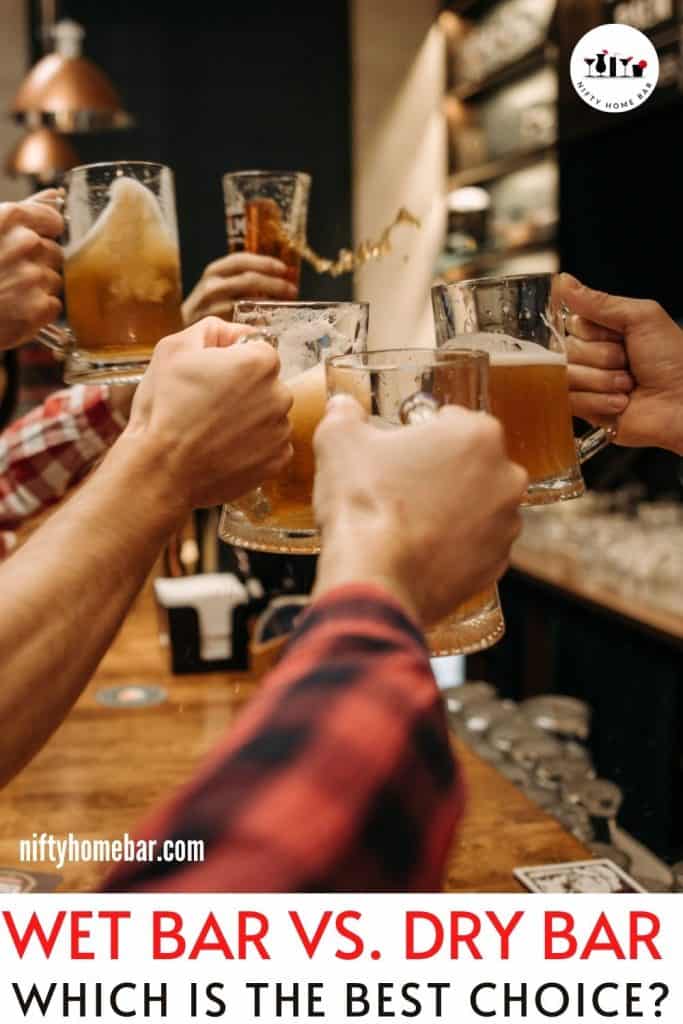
x=632, y=547
x=539, y=745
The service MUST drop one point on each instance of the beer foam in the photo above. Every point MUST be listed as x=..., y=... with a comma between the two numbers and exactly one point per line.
x=350, y=381
x=302, y=331
x=310, y=396
x=131, y=211
x=132, y=241
x=504, y=350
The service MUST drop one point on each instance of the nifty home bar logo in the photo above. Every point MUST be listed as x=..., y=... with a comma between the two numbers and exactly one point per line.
x=601, y=66
x=614, y=68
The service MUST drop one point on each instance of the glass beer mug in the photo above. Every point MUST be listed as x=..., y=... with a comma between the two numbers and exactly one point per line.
x=402, y=386
x=122, y=285
x=519, y=322
x=266, y=212
x=278, y=516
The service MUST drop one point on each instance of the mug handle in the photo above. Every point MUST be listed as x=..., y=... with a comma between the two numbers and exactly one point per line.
x=594, y=441
x=58, y=339
x=258, y=334
x=418, y=408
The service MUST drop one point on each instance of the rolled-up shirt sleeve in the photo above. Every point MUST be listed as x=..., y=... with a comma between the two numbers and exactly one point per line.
x=45, y=452
x=339, y=776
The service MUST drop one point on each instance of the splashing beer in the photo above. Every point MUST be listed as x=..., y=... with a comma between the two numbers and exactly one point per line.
x=265, y=234
x=367, y=252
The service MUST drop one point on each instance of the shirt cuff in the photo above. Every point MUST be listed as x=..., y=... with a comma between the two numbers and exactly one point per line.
x=361, y=598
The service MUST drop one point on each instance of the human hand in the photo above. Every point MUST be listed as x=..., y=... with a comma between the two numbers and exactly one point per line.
x=428, y=511
x=625, y=366
x=30, y=265
x=212, y=415
x=241, y=275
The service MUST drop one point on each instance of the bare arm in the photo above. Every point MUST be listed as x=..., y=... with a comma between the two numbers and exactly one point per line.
x=63, y=595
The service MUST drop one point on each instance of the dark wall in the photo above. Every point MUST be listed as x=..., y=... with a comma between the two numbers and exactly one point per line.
x=228, y=86
x=622, y=207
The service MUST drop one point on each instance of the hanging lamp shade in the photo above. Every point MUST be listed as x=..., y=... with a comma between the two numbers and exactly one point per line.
x=66, y=91
x=42, y=154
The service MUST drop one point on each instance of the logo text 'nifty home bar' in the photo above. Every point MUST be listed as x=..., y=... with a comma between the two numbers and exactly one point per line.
x=614, y=68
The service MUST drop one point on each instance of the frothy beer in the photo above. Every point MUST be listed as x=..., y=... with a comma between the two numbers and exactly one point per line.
x=290, y=495
x=122, y=279
x=529, y=393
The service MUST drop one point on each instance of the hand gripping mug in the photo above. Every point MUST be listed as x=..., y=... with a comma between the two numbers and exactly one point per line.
x=521, y=325
x=278, y=516
x=404, y=386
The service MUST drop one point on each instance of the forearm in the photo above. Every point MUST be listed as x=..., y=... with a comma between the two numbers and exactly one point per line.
x=339, y=776
x=64, y=593
x=677, y=433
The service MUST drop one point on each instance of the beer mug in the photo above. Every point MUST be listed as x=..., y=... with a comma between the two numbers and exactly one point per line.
x=405, y=385
x=519, y=322
x=266, y=212
x=122, y=283
x=278, y=516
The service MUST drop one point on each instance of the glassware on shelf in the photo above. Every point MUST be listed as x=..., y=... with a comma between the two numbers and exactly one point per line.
x=552, y=773
x=505, y=734
x=658, y=515
x=618, y=541
x=486, y=751
x=574, y=751
x=544, y=799
x=566, y=717
x=529, y=751
x=677, y=872
x=611, y=852
x=600, y=797
x=601, y=800
x=479, y=716
x=577, y=821
x=514, y=773
x=456, y=698
x=655, y=884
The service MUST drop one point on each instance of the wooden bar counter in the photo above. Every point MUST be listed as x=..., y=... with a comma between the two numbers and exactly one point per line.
x=106, y=766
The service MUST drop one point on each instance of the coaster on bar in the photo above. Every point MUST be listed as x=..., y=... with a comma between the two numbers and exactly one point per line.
x=13, y=880
x=131, y=696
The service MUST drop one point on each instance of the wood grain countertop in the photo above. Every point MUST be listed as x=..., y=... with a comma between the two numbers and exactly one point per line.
x=107, y=766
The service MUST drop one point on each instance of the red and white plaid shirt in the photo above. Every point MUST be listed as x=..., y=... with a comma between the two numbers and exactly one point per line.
x=47, y=451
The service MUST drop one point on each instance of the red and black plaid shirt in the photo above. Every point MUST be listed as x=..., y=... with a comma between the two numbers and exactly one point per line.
x=338, y=777
x=45, y=452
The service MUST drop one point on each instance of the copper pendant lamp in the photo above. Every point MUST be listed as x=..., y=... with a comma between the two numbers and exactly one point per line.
x=67, y=92
x=42, y=154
